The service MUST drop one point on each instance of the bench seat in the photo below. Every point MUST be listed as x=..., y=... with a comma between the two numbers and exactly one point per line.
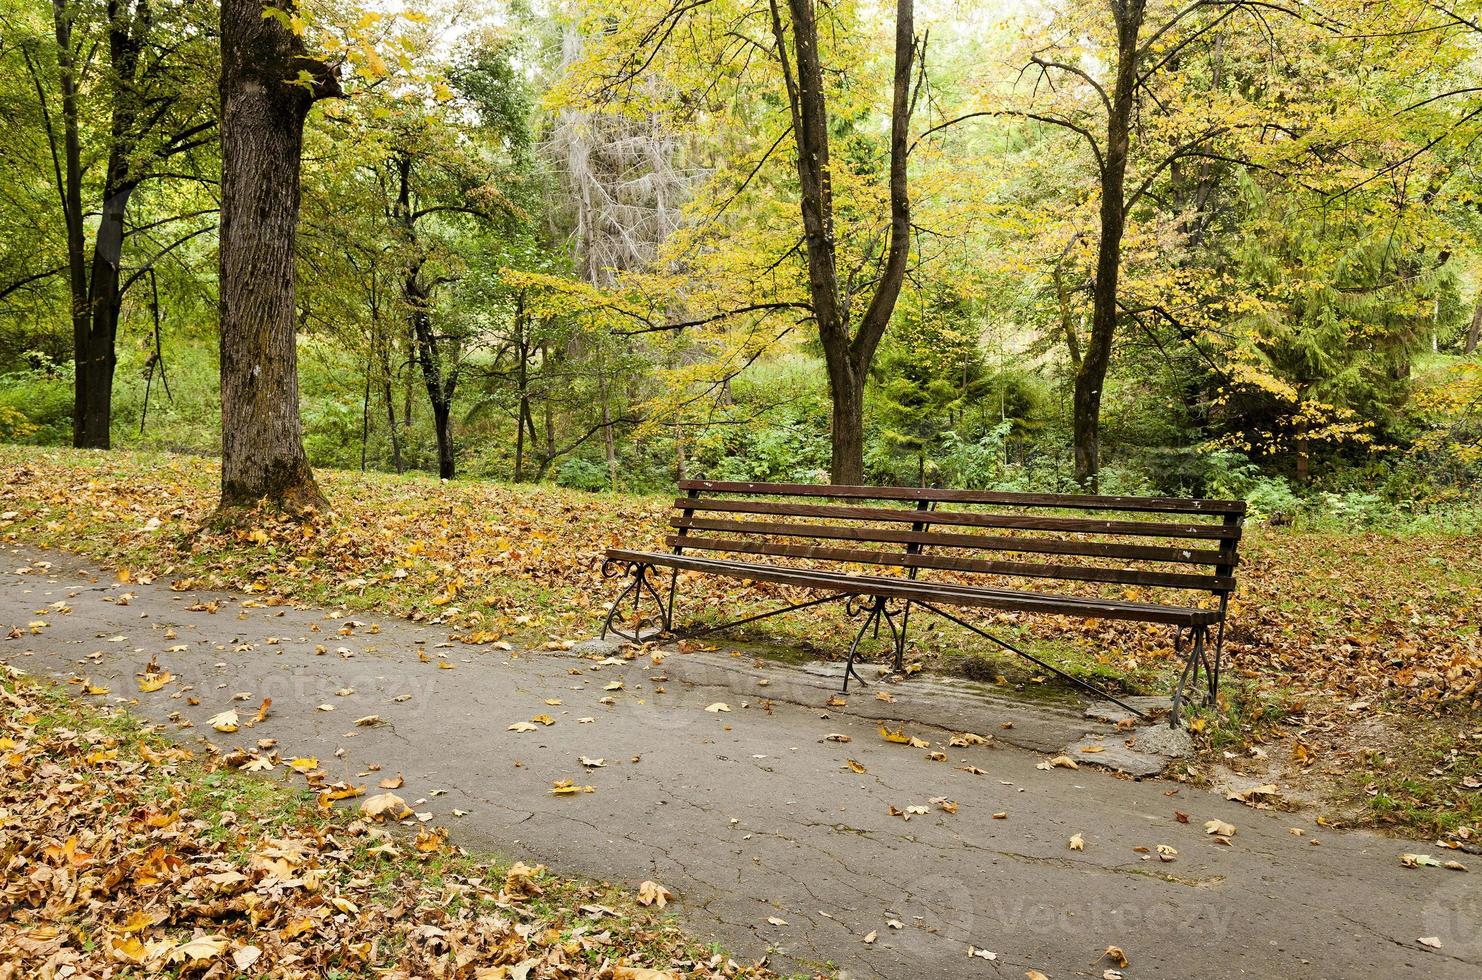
x=927, y=591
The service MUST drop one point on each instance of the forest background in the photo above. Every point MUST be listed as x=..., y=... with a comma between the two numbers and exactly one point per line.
x=1210, y=248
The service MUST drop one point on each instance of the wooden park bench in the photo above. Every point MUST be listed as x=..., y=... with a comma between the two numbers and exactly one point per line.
x=887, y=550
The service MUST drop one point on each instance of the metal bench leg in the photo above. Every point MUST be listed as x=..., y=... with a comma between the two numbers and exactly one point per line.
x=1191, y=670
x=1219, y=646
x=691, y=634
x=638, y=584
x=669, y=608
x=617, y=603
x=873, y=619
x=900, y=639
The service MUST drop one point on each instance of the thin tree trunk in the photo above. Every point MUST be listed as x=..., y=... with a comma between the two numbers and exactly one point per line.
x=440, y=380
x=548, y=417
x=609, y=446
x=69, y=189
x=406, y=387
x=97, y=357
x=1090, y=379
x=365, y=416
x=522, y=414
x=390, y=397
x=520, y=443
x=262, y=119
x=439, y=387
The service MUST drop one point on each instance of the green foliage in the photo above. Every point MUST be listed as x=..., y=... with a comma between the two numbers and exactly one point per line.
x=775, y=453
x=1293, y=307
x=981, y=464
x=927, y=380
x=36, y=401
x=580, y=473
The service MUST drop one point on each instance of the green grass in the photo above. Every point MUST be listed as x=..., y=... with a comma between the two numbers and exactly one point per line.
x=1418, y=785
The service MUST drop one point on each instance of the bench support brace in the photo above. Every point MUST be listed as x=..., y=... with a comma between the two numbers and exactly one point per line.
x=1083, y=685
x=640, y=583
x=691, y=634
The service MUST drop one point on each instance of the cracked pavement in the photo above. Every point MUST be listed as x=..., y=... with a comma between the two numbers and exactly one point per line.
x=752, y=813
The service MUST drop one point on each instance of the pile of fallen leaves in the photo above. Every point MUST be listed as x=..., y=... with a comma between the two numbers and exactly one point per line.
x=113, y=866
x=1333, y=616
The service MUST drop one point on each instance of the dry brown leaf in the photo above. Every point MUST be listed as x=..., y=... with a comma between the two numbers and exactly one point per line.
x=653, y=893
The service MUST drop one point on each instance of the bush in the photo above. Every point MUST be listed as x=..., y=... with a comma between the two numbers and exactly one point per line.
x=783, y=453
x=1272, y=499
x=976, y=465
x=36, y=402
x=582, y=474
x=186, y=418
x=332, y=430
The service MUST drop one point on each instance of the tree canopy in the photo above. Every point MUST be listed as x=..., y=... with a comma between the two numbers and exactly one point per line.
x=1140, y=244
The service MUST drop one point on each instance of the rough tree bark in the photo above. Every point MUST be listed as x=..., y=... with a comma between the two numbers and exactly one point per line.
x=1474, y=332
x=263, y=107
x=1090, y=376
x=848, y=350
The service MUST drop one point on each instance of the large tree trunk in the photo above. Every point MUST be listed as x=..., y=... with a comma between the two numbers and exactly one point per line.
x=1474, y=333
x=442, y=424
x=847, y=355
x=390, y=398
x=1091, y=377
x=262, y=120
x=846, y=392
x=439, y=386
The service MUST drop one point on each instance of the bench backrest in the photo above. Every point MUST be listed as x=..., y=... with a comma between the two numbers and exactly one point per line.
x=1156, y=542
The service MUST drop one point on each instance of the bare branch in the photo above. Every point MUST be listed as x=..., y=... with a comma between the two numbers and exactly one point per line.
x=678, y=325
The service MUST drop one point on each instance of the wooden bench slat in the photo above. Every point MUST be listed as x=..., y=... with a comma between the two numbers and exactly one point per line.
x=982, y=542
x=1027, y=522
x=1178, y=505
x=943, y=593
x=1082, y=573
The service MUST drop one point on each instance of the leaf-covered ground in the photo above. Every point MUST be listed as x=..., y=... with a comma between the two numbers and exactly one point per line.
x=1362, y=649
x=126, y=855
